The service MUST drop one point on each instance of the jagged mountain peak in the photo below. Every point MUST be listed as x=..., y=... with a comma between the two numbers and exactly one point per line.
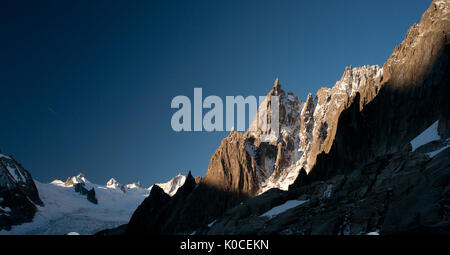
x=276, y=83
x=73, y=180
x=112, y=182
x=171, y=187
x=304, y=126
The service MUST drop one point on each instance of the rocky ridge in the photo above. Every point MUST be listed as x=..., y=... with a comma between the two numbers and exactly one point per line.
x=18, y=193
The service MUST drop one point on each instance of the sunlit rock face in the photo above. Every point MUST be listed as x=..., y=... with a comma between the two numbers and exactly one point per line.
x=231, y=168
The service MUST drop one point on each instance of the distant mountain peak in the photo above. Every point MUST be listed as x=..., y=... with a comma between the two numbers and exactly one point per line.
x=171, y=187
x=73, y=180
x=134, y=185
x=112, y=182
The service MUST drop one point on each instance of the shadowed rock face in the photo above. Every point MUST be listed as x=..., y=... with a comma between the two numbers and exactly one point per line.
x=399, y=193
x=145, y=218
x=194, y=204
x=18, y=194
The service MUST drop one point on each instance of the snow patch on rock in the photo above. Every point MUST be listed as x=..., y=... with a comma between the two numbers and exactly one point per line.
x=284, y=207
x=430, y=134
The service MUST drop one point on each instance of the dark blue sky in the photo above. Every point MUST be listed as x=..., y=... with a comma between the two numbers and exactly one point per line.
x=87, y=85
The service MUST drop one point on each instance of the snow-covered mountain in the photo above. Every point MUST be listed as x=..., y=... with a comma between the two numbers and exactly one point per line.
x=306, y=127
x=171, y=187
x=65, y=210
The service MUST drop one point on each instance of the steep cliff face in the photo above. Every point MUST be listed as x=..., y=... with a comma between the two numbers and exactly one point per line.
x=413, y=94
x=231, y=169
x=18, y=193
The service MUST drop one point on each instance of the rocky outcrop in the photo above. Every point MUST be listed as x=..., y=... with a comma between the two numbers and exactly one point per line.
x=90, y=194
x=399, y=193
x=231, y=168
x=18, y=193
x=192, y=205
x=145, y=218
x=196, y=203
